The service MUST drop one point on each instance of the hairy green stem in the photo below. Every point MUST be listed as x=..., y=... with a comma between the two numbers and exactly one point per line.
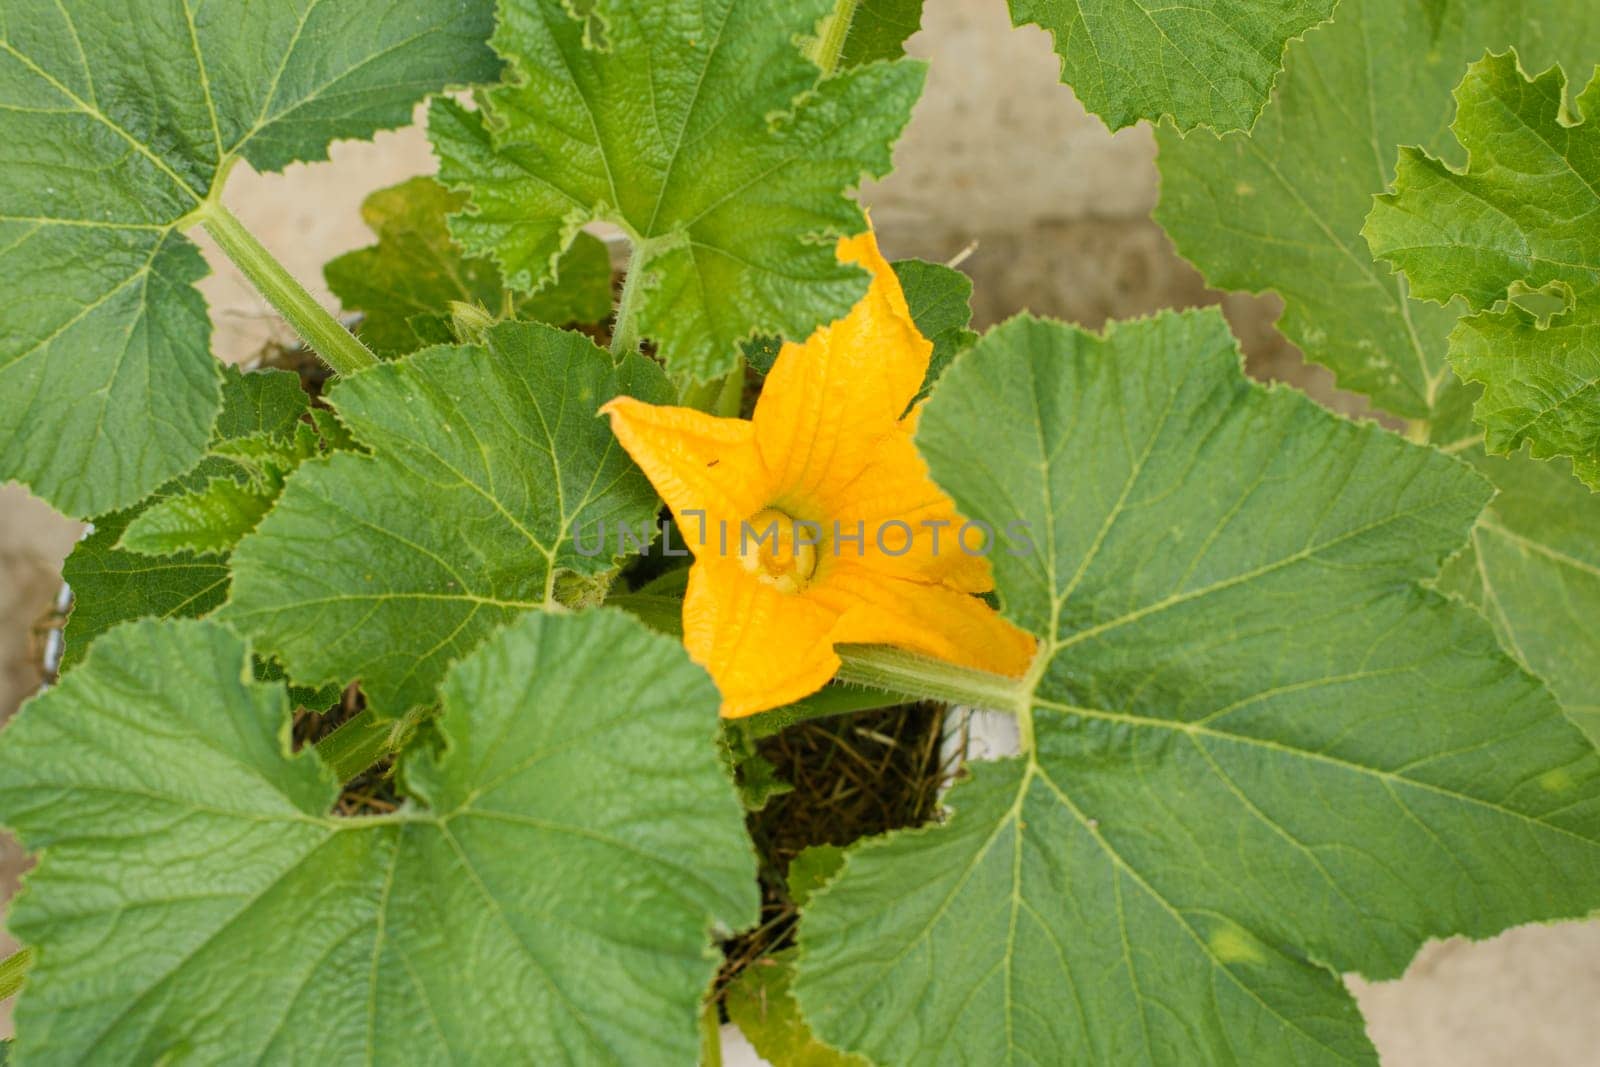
x=13, y=969
x=917, y=677
x=825, y=703
x=625, y=327
x=338, y=348
x=362, y=741
x=829, y=45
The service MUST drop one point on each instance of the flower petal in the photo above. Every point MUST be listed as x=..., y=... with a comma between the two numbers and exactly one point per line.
x=827, y=401
x=697, y=462
x=909, y=527
x=932, y=619
x=762, y=648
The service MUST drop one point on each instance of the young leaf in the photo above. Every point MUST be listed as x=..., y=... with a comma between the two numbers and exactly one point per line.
x=529, y=904
x=1261, y=754
x=704, y=133
x=416, y=271
x=118, y=126
x=1519, y=219
x=111, y=584
x=1282, y=209
x=487, y=463
x=1209, y=63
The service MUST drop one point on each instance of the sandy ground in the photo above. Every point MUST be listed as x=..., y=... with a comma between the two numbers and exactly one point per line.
x=1058, y=210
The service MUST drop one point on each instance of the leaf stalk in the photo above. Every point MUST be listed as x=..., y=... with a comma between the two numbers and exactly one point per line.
x=920, y=678
x=835, y=28
x=336, y=345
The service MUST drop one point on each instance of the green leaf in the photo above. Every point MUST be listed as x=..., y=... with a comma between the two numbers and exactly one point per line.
x=1208, y=63
x=1282, y=209
x=1533, y=568
x=210, y=519
x=879, y=29
x=206, y=522
x=761, y=1004
x=703, y=133
x=940, y=301
x=486, y=460
x=111, y=584
x=196, y=900
x=117, y=127
x=1518, y=220
x=757, y=780
x=416, y=271
x=1257, y=753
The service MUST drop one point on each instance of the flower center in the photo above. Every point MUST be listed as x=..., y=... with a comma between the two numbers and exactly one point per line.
x=779, y=549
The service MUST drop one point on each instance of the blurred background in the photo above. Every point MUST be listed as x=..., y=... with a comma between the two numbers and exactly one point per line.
x=1002, y=165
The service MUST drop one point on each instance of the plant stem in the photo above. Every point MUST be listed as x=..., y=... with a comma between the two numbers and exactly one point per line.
x=360, y=742
x=710, y=1035
x=338, y=348
x=829, y=45
x=825, y=703
x=13, y=969
x=625, y=327
x=919, y=678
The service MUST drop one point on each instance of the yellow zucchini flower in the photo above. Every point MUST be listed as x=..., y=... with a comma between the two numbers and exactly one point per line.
x=816, y=523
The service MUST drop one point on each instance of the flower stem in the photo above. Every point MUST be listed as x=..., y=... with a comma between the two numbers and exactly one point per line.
x=920, y=678
x=338, y=348
x=829, y=45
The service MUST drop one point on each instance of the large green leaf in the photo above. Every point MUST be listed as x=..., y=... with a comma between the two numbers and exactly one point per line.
x=533, y=902
x=1258, y=753
x=702, y=131
x=1206, y=63
x=404, y=285
x=117, y=123
x=1282, y=209
x=111, y=585
x=486, y=461
x=1520, y=219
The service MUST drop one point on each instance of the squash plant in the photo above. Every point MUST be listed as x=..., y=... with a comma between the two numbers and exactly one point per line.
x=1295, y=694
